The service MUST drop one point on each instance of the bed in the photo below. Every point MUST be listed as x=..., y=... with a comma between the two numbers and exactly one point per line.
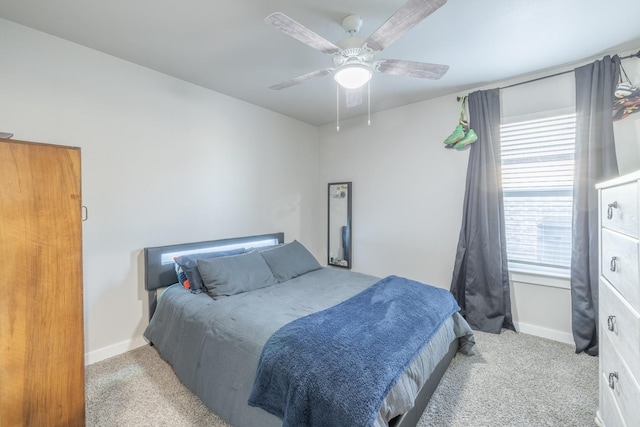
x=216, y=344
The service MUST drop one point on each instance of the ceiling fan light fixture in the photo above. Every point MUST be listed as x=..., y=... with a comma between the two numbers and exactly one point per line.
x=353, y=76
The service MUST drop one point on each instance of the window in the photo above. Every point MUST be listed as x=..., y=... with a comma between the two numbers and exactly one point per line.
x=537, y=179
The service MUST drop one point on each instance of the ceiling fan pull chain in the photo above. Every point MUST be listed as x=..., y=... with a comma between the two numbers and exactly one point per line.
x=337, y=107
x=369, y=103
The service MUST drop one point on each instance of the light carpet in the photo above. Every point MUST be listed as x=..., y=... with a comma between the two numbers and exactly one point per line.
x=513, y=380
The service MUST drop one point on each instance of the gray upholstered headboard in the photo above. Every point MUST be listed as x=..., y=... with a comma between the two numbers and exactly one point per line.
x=159, y=271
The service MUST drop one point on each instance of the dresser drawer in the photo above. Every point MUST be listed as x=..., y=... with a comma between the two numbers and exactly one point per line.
x=619, y=208
x=617, y=378
x=621, y=324
x=620, y=265
x=609, y=411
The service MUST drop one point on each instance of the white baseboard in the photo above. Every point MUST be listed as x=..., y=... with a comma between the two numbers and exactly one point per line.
x=113, y=350
x=539, y=331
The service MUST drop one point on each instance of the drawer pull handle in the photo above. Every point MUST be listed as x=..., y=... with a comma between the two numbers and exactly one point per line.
x=610, y=208
x=611, y=323
x=613, y=376
x=613, y=264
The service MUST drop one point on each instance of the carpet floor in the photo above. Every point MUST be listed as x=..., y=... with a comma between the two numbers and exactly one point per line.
x=513, y=380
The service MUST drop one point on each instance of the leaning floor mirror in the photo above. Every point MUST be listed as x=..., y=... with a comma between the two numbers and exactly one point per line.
x=339, y=225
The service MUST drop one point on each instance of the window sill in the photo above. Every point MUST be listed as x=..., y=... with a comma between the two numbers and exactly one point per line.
x=552, y=279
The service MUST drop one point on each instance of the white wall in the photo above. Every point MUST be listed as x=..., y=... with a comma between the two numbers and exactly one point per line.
x=163, y=162
x=408, y=191
x=407, y=188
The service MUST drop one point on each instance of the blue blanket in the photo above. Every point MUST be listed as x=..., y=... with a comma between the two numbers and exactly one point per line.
x=335, y=367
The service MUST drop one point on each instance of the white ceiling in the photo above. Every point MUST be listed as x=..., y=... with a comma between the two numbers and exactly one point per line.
x=227, y=47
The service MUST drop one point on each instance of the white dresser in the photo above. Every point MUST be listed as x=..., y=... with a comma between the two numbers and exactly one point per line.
x=619, y=302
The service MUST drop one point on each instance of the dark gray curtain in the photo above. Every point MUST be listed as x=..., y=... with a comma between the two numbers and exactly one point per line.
x=480, y=280
x=595, y=161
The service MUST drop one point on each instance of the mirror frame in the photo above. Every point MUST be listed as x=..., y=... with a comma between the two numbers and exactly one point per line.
x=349, y=250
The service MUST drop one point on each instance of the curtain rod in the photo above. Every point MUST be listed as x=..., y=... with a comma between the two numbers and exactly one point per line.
x=633, y=55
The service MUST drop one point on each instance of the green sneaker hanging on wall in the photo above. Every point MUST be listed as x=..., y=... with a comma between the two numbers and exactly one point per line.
x=462, y=136
x=468, y=139
x=457, y=135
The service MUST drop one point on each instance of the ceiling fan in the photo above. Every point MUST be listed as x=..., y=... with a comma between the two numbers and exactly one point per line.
x=353, y=57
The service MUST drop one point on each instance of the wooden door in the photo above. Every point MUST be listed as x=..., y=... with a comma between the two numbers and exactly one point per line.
x=41, y=304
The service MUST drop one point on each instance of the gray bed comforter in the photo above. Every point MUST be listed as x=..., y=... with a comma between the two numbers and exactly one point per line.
x=214, y=345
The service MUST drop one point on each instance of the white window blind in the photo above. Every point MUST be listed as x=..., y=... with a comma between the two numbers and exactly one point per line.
x=537, y=179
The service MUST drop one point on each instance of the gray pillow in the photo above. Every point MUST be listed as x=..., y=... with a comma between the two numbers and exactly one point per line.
x=187, y=268
x=290, y=260
x=235, y=274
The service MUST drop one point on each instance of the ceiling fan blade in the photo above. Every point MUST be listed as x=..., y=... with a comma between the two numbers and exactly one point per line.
x=301, y=33
x=302, y=78
x=421, y=70
x=408, y=16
